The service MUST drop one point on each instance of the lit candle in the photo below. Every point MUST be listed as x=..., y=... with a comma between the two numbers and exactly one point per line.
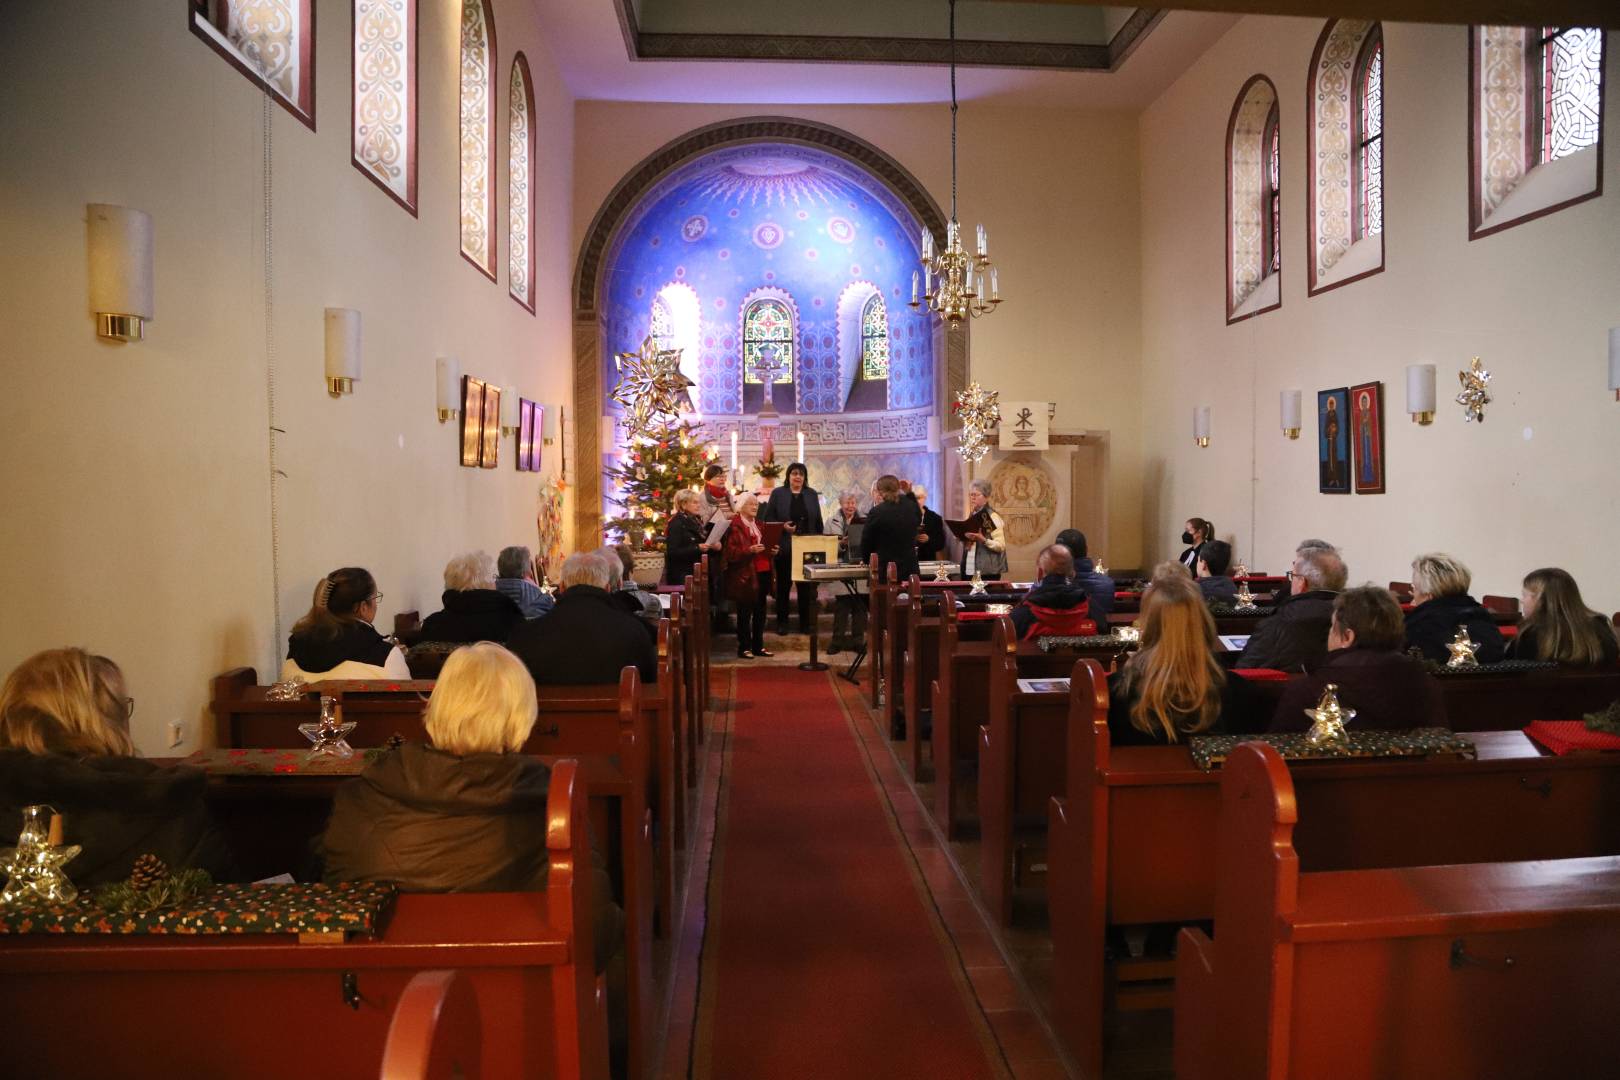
x=733, y=451
x=928, y=246
x=801, y=447
x=995, y=286
x=928, y=281
x=981, y=241
x=914, y=280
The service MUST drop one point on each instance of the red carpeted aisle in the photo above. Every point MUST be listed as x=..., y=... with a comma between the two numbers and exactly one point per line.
x=820, y=956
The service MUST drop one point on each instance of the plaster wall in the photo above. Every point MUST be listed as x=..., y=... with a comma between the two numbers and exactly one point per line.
x=136, y=488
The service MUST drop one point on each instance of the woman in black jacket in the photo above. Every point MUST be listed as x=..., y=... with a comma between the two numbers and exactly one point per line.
x=1197, y=533
x=798, y=506
x=336, y=639
x=1558, y=625
x=64, y=741
x=1441, y=604
x=473, y=610
x=683, y=539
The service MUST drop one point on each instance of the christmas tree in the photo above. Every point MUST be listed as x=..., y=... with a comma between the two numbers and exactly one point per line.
x=660, y=461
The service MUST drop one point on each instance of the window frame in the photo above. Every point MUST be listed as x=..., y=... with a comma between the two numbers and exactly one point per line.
x=1271, y=191
x=527, y=302
x=861, y=375
x=1273, y=122
x=493, y=199
x=303, y=110
x=792, y=371
x=409, y=202
x=1315, y=285
x=1371, y=47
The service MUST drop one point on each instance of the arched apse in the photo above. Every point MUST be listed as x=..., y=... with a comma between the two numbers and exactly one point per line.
x=791, y=184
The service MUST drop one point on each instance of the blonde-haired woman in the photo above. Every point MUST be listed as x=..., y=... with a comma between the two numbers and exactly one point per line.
x=64, y=742
x=1441, y=604
x=336, y=639
x=1557, y=624
x=473, y=609
x=1172, y=687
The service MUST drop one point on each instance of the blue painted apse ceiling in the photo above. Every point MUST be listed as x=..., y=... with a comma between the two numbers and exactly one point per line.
x=809, y=229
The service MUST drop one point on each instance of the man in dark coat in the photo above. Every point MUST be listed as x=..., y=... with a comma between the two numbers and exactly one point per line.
x=587, y=638
x=1295, y=638
x=1214, y=560
x=1054, y=596
x=798, y=506
x=891, y=527
x=1099, y=587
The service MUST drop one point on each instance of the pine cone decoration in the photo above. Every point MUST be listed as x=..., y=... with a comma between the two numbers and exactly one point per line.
x=147, y=872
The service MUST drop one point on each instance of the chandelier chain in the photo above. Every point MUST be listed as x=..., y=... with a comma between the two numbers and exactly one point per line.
x=953, y=110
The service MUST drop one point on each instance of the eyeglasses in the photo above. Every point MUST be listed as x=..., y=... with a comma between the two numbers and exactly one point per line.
x=374, y=597
x=129, y=707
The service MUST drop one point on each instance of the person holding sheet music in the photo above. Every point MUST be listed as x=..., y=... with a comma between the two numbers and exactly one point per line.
x=797, y=506
x=748, y=577
x=984, y=550
x=684, y=542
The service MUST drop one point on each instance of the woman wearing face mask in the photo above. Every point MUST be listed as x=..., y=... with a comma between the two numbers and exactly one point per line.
x=1196, y=534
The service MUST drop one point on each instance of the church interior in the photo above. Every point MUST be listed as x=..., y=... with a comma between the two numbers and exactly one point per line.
x=943, y=538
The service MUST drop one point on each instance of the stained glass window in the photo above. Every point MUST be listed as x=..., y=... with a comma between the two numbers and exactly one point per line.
x=384, y=101
x=1370, y=141
x=661, y=327
x=520, y=193
x=1273, y=145
x=875, y=339
x=768, y=332
x=477, y=145
x=1571, y=82
x=272, y=42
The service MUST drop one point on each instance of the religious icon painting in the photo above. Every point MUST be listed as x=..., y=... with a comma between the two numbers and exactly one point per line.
x=539, y=411
x=472, y=420
x=525, y=433
x=1333, y=441
x=1367, y=437
x=491, y=448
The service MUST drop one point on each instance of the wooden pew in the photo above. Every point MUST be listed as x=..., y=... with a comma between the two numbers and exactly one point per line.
x=268, y=1006
x=1132, y=840
x=1498, y=969
x=434, y=1032
x=878, y=598
x=919, y=664
x=1021, y=759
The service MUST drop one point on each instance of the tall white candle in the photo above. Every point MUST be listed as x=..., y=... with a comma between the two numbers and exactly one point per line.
x=927, y=246
x=914, y=288
x=801, y=447
x=733, y=451
x=995, y=285
x=981, y=247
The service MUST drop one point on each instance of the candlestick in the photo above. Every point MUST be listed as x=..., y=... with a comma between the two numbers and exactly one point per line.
x=733, y=451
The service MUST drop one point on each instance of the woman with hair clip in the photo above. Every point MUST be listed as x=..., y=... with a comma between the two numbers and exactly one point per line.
x=335, y=638
x=64, y=742
x=1557, y=624
x=1197, y=533
x=1172, y=687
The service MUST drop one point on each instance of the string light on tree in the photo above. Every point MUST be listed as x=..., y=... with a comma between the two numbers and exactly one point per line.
x=663, y=454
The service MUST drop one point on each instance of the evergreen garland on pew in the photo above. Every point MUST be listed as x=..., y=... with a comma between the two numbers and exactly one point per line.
x=150, y=886
x=1608, y=720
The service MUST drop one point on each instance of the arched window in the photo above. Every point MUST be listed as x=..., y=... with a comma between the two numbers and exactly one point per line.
x=768, y=332
x=661, y=326
x=1344, y=156
x=383, y=102
x=477, y=135
x=1535, y=134
x=1253, y=202
x=875, y=339
x=675, y=322
x=519, y=187
x=272, y=42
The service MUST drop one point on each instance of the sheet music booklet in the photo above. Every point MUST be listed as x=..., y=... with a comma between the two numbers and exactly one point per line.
x=718, y=525
x=978, y=522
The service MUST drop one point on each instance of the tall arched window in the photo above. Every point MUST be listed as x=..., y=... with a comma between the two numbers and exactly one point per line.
x=875, y=339
x=1344, y=156
x=768, y=331
x=1535, y=135
x=477, y=135
x=519, y=187
x=1253, y=201
x=383, y=102
x=661, y=325
x=272, y=42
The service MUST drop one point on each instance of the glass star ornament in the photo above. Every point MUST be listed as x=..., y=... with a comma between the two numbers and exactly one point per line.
x=942, y=572
x=1462, y=649
x=977, y=587
x=1244, y=601
x=1475, y=393
x=33, y=868
x=328, y=733
x=1130, y=635
x=1328, y=719
x=1097, y=566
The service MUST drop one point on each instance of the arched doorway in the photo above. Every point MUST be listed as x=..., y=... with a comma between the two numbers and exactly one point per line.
x=702, y=195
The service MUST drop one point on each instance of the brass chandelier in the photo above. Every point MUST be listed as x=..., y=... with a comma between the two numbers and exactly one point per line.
x=955, y=284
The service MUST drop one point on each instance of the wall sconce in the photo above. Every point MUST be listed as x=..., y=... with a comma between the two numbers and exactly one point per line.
x=509, y=410
x=1201, y=425
x=1420, y=393
x=1293, y=410
x=448, y=370
x=342, y=350
x=550, y=417
x=120, y=271
x=1614, y=361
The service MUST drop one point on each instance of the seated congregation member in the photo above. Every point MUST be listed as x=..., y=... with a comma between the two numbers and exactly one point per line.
x=1099, y=587
x=473, y=609
x=588, y=637
x=931, y=530
x=1195, y=535
x=64, y=742
x=1172, y=687
x=1294, y=638
x=335, y=638
x=798, y=506
x=1366, y=660
x=1557, y=624
x=985, y=553
x=891, y=528
x=515, y=567
x=1440, y=604
x=748, y=577
x=626, y=592
x=683, y=539
x=1057, y=605
x=1214, y=560
x=466, y=810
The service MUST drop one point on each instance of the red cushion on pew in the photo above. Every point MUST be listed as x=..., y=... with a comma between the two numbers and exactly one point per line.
x=1261, y=674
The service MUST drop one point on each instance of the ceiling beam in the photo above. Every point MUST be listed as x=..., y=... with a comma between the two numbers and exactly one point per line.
x=1604, y=13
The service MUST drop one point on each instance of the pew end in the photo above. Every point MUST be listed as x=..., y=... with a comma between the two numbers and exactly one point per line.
x=1195, y=1032
x=434, y=1032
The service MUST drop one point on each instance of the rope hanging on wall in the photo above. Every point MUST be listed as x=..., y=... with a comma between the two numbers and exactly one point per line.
x=267, y=112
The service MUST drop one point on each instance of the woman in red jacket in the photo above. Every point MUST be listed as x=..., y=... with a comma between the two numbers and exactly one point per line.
x=748, y=577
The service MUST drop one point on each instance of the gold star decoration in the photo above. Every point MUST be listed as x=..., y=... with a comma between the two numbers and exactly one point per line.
x=1462, y=649
x=1328, y=719
x=651, y=384
x=1475, y=391
x=979, y=412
